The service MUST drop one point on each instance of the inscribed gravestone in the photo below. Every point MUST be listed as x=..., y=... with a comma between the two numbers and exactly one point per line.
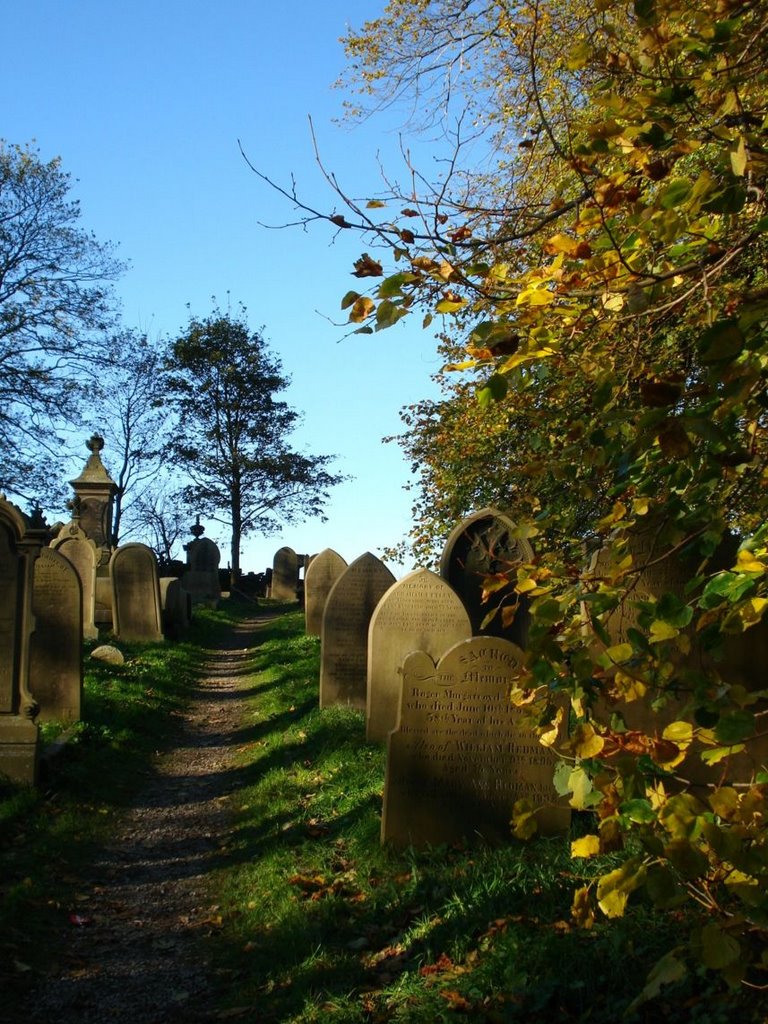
x=420, y=612
x=83, y=555
x=658, y=568
x=344, y=634
x=459, y=759
x=321, y=574
x=136, y=594
x=481, y=545
x=56, y=660
x=18, y=732
x=285, y=575
x=176, y=603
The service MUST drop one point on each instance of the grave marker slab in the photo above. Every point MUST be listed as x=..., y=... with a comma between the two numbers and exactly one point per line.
x=136, y=594
x=82, y=553
x=18, y=732
x=344, y=635
x=321, y=574
x=56, y=659
x=421, y=612
x=458, y=759
x=482, y=544
x=285, y=575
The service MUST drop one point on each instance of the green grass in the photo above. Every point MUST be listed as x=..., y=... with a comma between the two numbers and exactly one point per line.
x=317, y=921
x=320, y=922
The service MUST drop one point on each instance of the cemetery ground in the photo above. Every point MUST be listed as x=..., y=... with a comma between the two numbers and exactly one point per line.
x=206, y=847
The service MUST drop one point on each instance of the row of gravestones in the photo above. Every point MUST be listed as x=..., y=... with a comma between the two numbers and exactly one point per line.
x=409, y=654
x=405, y=652
x=49, y=601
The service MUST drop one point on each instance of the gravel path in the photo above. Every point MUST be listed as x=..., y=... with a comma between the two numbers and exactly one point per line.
x=133, y=953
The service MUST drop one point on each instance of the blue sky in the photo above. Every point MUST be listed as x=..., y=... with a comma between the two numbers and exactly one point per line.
x=145, y=103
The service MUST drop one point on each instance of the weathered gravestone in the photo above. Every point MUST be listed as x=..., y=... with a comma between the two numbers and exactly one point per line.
x=201, y=577
x=481, y=545
x=344, y=635
x=56, y=649
x=659, y=568
x=459, y=759
x=19, y=545
x=176, y=603
x=420, y=612
x=285, y=575
x=95, y=492
x=136, y=594
x=81, y=553
x=321, y=574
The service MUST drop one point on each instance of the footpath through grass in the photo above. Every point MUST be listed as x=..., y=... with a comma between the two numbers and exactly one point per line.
x=315, y=921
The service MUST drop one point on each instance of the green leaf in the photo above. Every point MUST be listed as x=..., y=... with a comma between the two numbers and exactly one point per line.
x=735, y=727
x=720, y=342
x=349, y=299
x=718, y=948
x=676, y=192
x=667, y=971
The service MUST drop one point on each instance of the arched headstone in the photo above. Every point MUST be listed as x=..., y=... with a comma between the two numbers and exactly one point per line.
x=481, y=545
x=136, y=594
x=319, y=577
x=344, y=635
x=82, y=553
x=56, y=651
x=421, y=612
x=459, y=759
x=285, y=575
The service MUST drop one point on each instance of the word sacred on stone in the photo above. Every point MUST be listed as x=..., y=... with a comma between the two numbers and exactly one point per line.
x=459, y=758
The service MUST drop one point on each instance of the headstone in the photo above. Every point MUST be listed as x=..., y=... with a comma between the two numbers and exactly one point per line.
x=481, y=545
x=56, y=658
x=659, y=566
x=20, y=544
x=459, y=759
x=420, y=612
x=344, y=634
x=176, y=603
x=136, y=594
x=201, y=578
x=285, y=575
x=81, y=552
x=321, y=574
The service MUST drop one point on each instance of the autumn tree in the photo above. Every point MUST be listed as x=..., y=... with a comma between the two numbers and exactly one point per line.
x=231, y=434
x=54, y=301
x=603, y=267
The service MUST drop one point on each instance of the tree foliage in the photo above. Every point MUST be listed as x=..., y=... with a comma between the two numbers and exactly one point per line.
x=54, y=294
x=231, y=436
x=602, y=269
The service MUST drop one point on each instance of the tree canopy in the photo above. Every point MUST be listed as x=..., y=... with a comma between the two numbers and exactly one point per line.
x=231, y=434
x=54, y=296
x=594, y=240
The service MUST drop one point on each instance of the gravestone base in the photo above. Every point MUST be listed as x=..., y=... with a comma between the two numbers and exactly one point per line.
x=18, y=749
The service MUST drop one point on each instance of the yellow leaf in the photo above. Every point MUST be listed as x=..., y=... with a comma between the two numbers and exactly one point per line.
x=739, y=158
x=629, y=687
x=525, y=585
x=523, y=820
x=620, y=653
x=612, y=301
x=450, y=305
x=640, y=506
x=526, y=357
x=614, y=888
x=662, y=631
x=362, y=308
x=550, y=736
x=585, y=742
x=580, y=785
x=746, y=562
x=587, y=846
x=560, y=243
x=534, y=297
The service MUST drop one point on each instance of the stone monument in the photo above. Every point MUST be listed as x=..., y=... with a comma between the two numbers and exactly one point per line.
x=82, y=553
x=285, y=575
x=201, y=577
x=56, y=650
x=459, y=759
x=21, y=540
x=481, y=545
x=321, y=574
x=344, y=634
x=421, y=612
x=136, y=594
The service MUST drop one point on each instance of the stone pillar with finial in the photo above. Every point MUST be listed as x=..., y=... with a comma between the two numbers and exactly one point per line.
x=201, y=579
x=94, y=500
